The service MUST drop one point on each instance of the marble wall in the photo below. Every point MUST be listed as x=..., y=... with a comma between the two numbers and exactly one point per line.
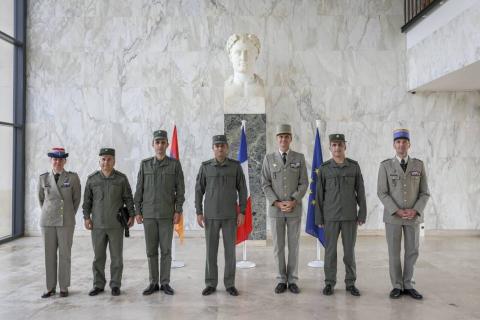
x=255, y=132
x=430, y=58
x=107, y=73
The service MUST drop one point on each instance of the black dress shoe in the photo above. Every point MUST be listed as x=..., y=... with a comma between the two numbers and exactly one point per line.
x=208, y=291
x=233, y=291
x=413, y=293
x=395, y=293
x=167, y=289
x=328, y=290
x=48, y=294
x=95, y=291
x=281, y=287
x=115, y=291
x=64, y=294
x=293, y=288
x=151, y=289
x=353, y=291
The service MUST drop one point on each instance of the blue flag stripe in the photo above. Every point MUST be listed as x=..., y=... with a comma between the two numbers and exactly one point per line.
x=242, y=150
x=310, y=227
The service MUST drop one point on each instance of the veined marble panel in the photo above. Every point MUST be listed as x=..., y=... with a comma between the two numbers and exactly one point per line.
x=108, y=73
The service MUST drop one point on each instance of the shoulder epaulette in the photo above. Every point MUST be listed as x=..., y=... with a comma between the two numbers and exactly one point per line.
x=147, y=159
x=352, y=161
x=94, y=173
x=207, y=162
x=326, y=163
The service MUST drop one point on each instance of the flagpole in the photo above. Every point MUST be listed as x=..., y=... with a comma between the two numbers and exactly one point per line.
x=244, y=263
x=175, y=263
x=318, y=263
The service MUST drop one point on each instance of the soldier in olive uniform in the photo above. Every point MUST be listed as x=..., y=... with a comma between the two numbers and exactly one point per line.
x=159, y=200
x=340, y=190
x=403, y=190
x=285, y=182
x=106, y=191
x=220, y=180
x=59, y=195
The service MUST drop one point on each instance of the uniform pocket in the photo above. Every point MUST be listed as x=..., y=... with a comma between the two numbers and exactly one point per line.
x=97, y=190
x=330, y=183
x=168, y=178
x=349, y=180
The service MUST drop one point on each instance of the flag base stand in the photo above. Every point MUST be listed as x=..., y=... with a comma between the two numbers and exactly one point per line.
x=177, y=264
x=317, y=263
x=244, y=264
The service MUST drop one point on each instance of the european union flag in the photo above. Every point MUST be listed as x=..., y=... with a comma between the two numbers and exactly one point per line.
x=311, y=228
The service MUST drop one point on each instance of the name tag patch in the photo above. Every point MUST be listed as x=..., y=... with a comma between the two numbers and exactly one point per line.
x=394, y=176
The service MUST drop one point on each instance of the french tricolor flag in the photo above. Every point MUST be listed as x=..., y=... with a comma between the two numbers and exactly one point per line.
x=244, y=230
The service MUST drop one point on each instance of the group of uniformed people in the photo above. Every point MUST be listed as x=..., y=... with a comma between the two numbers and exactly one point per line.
x=220, y=190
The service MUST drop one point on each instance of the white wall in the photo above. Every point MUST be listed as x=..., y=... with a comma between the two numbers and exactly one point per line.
x=107, y=73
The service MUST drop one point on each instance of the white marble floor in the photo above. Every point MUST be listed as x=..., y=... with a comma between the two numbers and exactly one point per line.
x=447, y=274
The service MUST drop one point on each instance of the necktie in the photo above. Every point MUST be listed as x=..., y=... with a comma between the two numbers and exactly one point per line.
x=403, y=164
x=284, y=157
x=56, y=176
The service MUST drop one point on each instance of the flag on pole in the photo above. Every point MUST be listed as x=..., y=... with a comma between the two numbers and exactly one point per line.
x=174, y=153
x=311, y=228
x=244, y=230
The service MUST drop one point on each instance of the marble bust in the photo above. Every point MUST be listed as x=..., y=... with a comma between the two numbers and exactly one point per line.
x=244, y=90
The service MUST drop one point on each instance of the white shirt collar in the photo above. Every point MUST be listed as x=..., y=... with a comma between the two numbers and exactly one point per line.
x=281, y=153
x=400, y=159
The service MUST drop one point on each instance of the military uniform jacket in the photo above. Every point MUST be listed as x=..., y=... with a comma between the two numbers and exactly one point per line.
x=104, y=196
x=284, y=182
x=59, y=201
x=402, y=190
x=220, y=183
x=340, y=190
x=160, y=188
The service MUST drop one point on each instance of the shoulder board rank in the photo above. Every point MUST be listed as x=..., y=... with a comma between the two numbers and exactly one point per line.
x=44, y=174
x=94, y=173
x=417, y=160
x=147, y=159
x=233, y=160
x=121, y=174
x=326, y=163
x=352, y=161
x=386, y=160
x=207, y=162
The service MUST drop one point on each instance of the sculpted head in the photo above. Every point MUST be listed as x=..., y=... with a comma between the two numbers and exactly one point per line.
x=243, y=51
